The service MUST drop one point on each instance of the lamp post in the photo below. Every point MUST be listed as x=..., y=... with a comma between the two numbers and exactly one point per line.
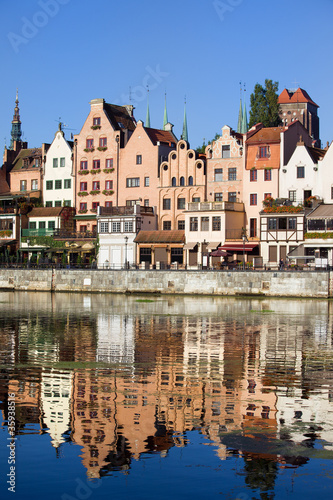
x=28, y=243
x=244, y=241
x=126, y=241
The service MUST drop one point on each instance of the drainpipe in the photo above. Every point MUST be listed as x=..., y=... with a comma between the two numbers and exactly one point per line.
x=117, y=141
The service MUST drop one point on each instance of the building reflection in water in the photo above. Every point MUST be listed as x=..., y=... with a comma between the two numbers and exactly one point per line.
x=137, y=382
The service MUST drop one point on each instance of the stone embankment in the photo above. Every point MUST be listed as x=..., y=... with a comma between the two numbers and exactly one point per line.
x=231, y=283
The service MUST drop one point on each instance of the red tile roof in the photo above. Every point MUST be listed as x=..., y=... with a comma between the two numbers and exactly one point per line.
x=177, y=237
x=156, y=135
x=45, y=212
x=266, y=135
x=299, y=95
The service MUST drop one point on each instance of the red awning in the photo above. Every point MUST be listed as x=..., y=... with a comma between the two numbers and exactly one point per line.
x=238, y=247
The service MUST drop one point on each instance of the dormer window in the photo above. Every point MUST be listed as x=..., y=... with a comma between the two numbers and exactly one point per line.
x=97, y=121
x=26, y=162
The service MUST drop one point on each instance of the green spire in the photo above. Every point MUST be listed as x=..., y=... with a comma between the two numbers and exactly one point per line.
x=244, y=120
x=165, y=118
x=240, y=117
x=147, y=124
x=16, y=132
x=185, y=132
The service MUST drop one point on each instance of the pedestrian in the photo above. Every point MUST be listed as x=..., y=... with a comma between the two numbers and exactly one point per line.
x=281, y=264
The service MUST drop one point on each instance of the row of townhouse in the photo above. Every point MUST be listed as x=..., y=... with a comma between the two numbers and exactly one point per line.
x=117, y=168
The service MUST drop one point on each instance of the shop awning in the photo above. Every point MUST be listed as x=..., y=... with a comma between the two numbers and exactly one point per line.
x=6, y=242
x=190, y=245
x=213, y=245
x=238, y=247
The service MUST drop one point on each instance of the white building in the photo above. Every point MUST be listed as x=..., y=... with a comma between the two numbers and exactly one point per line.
x=117, y=228
x=58, y=182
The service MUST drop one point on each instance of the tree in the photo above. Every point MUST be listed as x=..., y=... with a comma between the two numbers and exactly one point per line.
x=264, y=105
x=202, y=149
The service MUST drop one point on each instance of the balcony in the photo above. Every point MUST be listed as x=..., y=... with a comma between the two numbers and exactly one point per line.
x=37, y=232
x=127, y=210
x=207, y=206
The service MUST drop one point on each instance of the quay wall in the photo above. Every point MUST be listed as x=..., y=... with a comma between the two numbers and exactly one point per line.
x=231, y=283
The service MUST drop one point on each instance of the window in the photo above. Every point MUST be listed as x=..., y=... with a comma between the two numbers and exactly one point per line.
x=218, y=175
x=67, y=203
x=84, y=165
x=232, y=174
x=193, y=223
x=253, y=228
x=182, y=181
x=108, y=204
x=253, y=199
x=32, y=225
x=95, y=205
x=55, y=162
x=166, y=203
x=253, y=175
x=131, y=203
x=263, y=152
x=181, y=225
x=49, y=185
x=282, y=222
x=26, y=162
x=48, y=203
x=167, y=225
x=62, y=162
x=67, y=183
x=232, y=196
x=83, y=186
x=139, y=159
x=89, y=143
x=103, y=142
x=225, y=151
x=96, y=164
x=216, y=223
x=173, y=181
x=57, y=203
x=133, y=182
x=42, y=224
x=96, y=185
x=128, y=226
x=292, y=223
x=83, y=229
x=96, y=121
x=196, y=199
x=190, y=181
x=37, y=162
x=109, y=163
x=271, y=223
x=181, y=203
x=146, y=181
x=57, y=184
x=83, y=206
x=34, y=184
x=267, y=174
x=108, y=185
x=300, y=173
x=204, y=223
x=116, y=227
x=104, y=227
x=23, y=185
x=146, y=203
x=267, y=195
x=51, y=224
x=218, y=197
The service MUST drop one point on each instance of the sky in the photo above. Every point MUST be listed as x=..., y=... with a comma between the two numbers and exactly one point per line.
x=61, y=54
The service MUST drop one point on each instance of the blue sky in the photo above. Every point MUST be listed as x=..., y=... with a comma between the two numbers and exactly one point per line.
x=63, y=53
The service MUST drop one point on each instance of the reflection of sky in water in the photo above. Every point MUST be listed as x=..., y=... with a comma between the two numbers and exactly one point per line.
x=109, y=384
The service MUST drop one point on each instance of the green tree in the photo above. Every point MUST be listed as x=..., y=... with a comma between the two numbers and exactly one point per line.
x=202, y=148
x=264, y=105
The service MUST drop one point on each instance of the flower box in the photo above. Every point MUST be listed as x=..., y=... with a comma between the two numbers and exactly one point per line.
x=89, y=150
x=102, y=148
x=82, y=193
x=108, y=170
x=83, y=211
x=83, y=172
x=108, y=192
x=95, y=171
x=95, y=127
x=95, y=191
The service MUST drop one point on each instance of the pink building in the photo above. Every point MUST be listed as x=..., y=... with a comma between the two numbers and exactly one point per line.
x=97, y=147
x=26, y=172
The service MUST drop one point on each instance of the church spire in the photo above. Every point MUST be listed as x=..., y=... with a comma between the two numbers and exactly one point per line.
x=165, y=118
x=147, y=124
x=16, y=132
x=244, y=120
x=185, y=132
x=240, y=113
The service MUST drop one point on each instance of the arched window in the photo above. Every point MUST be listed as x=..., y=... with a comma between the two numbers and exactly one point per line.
x=182, y=181
x=190, y=181
x=173, y=181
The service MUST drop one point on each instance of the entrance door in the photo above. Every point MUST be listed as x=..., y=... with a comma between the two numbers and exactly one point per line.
x=116, y=258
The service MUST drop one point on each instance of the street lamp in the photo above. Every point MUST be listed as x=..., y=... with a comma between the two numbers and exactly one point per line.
x=244, y=238
x=126, y=241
